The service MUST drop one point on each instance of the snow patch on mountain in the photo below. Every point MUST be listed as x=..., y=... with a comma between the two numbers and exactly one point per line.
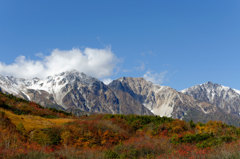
x=52, y=84
x=225, y=98
x=238, y=91
x=212, y=90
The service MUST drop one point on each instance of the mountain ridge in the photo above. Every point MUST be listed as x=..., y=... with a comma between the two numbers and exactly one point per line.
x=225, y=98
x=77, y=92
x=70, y=90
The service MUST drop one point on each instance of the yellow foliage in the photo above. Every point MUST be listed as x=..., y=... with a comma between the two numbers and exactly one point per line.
x=31, y=122
x=177, y=126
x=66, y=137
x=40, y=137
x=214, y=127
x=200, y=129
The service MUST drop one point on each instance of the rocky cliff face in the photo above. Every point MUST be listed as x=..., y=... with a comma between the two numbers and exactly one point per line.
x=225, y=98
x=161, y=100
x=165, y=101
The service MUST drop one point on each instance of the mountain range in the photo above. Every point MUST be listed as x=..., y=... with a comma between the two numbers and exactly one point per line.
x=79, y=93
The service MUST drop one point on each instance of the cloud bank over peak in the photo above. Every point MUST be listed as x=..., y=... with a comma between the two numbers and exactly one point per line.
x=156, y=78
x=99, y=63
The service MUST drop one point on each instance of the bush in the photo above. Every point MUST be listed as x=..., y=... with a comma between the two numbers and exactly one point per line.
x=139, y=122
x=192, y=124
x=111, y=155
x=209, y=143
x=191, y=138
x=227, y=139
x=20, y=127
x=215, y=141
x=48, y=136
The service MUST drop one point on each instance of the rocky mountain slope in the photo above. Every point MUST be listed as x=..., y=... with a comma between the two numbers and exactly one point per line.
x=225, y=98
x=161, y=100
x=165, y=101
x=77, y=93
x=71, y=91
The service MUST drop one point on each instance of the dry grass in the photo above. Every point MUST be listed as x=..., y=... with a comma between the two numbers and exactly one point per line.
x=31, y=122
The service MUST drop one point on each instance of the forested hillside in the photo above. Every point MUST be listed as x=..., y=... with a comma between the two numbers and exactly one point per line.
x=28, y=130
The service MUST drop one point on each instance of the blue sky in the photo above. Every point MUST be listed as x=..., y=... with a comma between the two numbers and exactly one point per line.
x=175, y=43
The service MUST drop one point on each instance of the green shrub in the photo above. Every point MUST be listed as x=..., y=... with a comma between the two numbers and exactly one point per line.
x=111, y=155
x=14, y=109
x=48, y=136
x=215, y=141
x=227, y=139
x=20, y=127
x=192, y=124
x=191, y=138
x=59, y=111
x=49, y=116
x=209, y=143
x=138, y=122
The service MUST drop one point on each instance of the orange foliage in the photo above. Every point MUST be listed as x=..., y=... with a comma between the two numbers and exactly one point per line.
x=91, y=136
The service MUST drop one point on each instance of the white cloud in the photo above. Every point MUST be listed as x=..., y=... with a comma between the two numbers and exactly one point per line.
x=99, y=63
x=156, y=78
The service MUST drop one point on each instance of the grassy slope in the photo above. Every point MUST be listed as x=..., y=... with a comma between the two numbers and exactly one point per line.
x=31, y=122
x=28, y=130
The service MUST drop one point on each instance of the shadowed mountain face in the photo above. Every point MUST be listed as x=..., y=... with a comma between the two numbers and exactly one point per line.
x=77, y=93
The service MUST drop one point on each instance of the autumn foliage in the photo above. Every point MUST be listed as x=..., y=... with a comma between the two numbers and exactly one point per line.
x=59, y=135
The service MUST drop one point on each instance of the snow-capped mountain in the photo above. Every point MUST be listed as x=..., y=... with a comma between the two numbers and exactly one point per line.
x=161, y=100
x=76, y=92
x=225, y=98
x=166, y=101
x=15, y=86
x=238, y=91
x=71, y=91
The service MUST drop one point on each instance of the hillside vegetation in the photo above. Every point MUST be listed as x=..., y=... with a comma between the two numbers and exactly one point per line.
x=28, y=130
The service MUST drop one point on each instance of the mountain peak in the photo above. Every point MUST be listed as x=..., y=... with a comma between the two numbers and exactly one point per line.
x=66, y=73
x=72, y=76
x=223, y=97
x=209, y=83
x=209, y=87
x=131, y=78
x=74, y=89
